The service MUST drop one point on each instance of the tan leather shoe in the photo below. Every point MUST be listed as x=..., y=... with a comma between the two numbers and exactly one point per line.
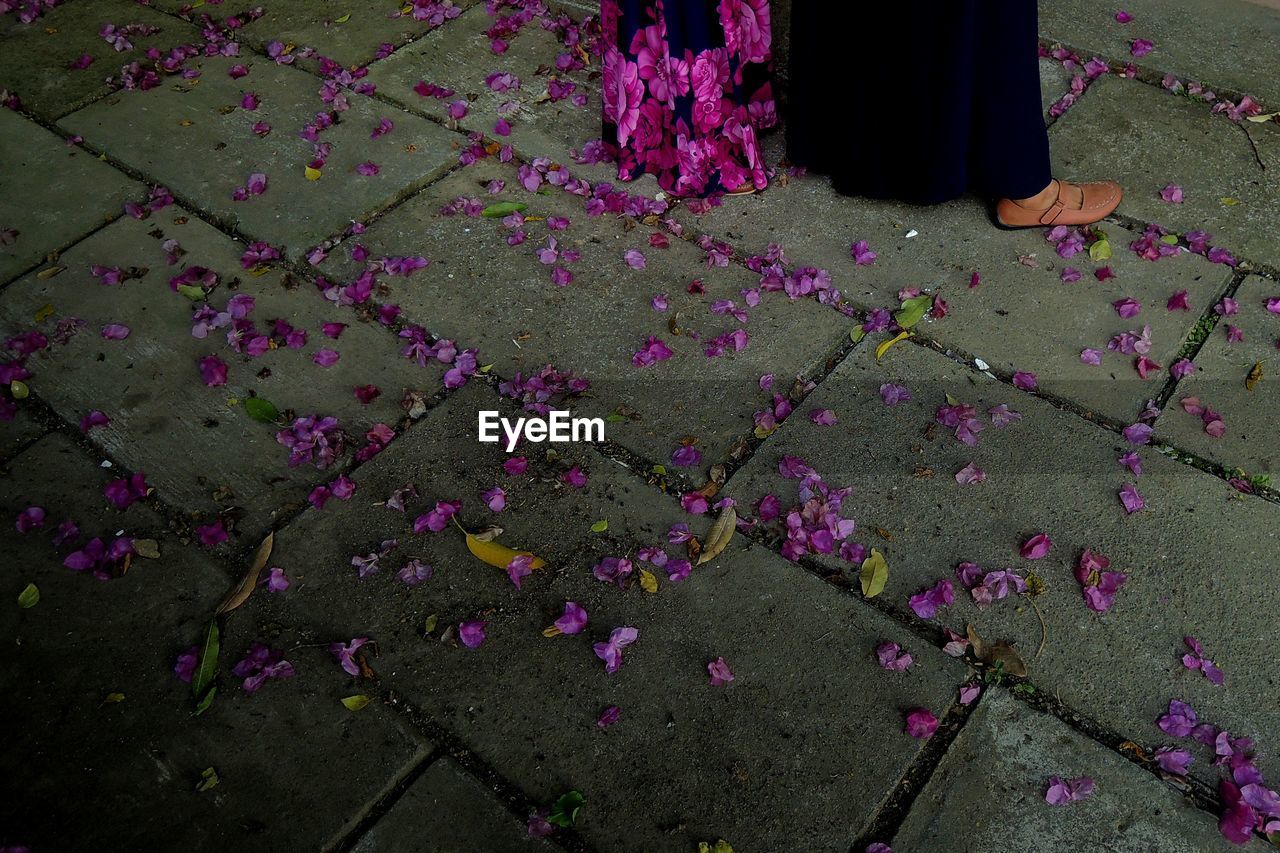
x=1098, y=200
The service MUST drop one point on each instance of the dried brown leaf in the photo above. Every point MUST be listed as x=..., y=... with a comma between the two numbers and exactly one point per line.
x=719, y=535
x=240, y=594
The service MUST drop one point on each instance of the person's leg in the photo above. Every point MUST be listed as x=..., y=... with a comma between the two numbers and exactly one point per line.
x=880, y=96
x=1009, y=153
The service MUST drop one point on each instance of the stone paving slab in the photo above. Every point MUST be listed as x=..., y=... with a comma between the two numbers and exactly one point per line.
x=1055, y=81
x=36, y=61
x=17, y=433
x=1221, y=44
x=42, y=193
x=820, y=743
x=1019, y=317
x=1109, y=133
x=1220, y=382
x=459, y=57
x=448, y=811
x=1196, y=557
x=87, y=773
x=198, y=448
x=988, y=794
x=520, y=321
x=349, y=31
x=195, y=138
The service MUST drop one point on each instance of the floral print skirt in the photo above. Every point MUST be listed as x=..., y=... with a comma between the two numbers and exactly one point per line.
x=687, y=85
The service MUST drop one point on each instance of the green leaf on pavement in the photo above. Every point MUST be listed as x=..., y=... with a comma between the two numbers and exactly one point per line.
x=565, y=810
x=208, y=779
x=29, y=596
x=356, y=703
x=205, y=701
x=503, y=208
x=261, y=409
x=207, y=668
x=912, y=311
x=874, y=574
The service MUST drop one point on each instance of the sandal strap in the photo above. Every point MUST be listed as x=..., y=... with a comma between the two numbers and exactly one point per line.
x=1050, y=216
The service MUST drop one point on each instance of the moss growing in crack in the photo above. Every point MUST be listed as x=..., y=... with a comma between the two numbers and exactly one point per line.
x=1198, y=335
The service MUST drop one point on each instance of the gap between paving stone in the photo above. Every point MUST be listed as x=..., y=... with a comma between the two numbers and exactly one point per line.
x=86, y=639
x=513, y=798
x=42, y=194
x=1224, y=40
x=930, y=554
x=446, y=810
x=397, y=204
x=520, y=321
x=73, y=380
x=1206, y=158
x=452, y=696
x=289, y=214
x=990, y=791
x=35, y=62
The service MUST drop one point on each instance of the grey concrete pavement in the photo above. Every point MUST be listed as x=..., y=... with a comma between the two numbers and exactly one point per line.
x=429, y=736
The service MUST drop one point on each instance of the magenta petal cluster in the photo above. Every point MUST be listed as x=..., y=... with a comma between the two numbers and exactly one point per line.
x=611, y=651
x=1195, y=659
x=260, y=664
x=1062, y=791
x=1098, y=585
x=921, y=723
x=471, y=633
x=573, y=620
x=719, y=672
x=1037, y=547
x=927, y=602
x=892, y=657
x=345, y=654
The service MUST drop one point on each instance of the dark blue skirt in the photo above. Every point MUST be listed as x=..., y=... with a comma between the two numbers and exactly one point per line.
x=920, y=101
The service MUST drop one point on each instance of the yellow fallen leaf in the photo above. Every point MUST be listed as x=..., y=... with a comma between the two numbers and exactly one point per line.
x=498, y=555
x=19, y=390
x=551, y=631
x=1254, y=377
x=1261, y=117
x=356, y=703
x=648, y=582
x=208, y=776
x=343, y=19
x=49, y=272
x=874, y=574
x=312, y=173
x=884, y=347
x=44, y=313
x=1100, y=250
x=719, y=535
x=147, y=548
x=1229, y=201
x=113, y=698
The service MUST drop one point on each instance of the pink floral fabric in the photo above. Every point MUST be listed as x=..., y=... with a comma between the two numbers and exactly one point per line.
x=687, y=85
